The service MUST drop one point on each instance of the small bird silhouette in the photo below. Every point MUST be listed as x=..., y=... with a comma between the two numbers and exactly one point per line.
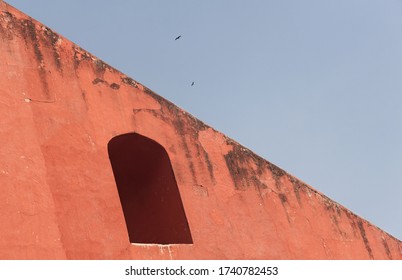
x=177, y=38
x=192, y=83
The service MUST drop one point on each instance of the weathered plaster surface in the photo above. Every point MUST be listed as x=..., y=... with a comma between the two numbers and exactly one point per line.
x=59, y=108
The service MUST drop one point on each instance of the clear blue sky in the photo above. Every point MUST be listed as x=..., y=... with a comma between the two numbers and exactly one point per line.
x=313, y=86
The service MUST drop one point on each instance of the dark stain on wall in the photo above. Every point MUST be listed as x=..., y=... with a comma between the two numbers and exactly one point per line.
x=258, y=183
x=332, y=206
x=284, y=202
x=97, y=81
x=26, y=29
x=387, y=251
x=129, y=81
x=52, y=38
x=80, y=55
x=337, y=227
x=158, y=98
x=31, y=40
x=100, y=67
x=114, y=86
x=84, y=97
x=239, y=173
x=7, y=25
x=182, y=132
x=283, y=198
x=238, y=162
x=209, y=165
x=365, y=240
x=297, y=188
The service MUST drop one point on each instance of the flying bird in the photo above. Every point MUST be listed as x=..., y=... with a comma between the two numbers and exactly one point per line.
x=177, y=38
x=192, y=83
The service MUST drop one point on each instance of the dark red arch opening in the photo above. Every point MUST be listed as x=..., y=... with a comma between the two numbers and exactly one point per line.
x=148, y=191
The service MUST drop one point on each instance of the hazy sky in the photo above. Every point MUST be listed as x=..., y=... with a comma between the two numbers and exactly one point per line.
x=314, y=86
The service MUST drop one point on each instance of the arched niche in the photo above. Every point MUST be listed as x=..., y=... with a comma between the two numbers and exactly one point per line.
x=148, y=191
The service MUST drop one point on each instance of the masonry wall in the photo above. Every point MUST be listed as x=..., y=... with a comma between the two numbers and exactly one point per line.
x=59, y=108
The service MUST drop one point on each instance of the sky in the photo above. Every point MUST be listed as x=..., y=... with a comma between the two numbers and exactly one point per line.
x=313, y=86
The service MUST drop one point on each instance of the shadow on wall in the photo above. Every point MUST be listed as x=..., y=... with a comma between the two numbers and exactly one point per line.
x=148, y=191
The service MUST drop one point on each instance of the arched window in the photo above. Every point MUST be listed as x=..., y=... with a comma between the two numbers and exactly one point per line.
x=148, y=191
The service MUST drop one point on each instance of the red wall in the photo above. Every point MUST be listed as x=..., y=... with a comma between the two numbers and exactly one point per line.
x=59, y=108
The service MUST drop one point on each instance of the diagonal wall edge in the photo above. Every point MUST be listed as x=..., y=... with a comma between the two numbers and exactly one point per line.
x=59, y=108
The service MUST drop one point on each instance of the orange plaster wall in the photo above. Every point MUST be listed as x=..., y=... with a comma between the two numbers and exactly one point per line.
x=59, y=108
